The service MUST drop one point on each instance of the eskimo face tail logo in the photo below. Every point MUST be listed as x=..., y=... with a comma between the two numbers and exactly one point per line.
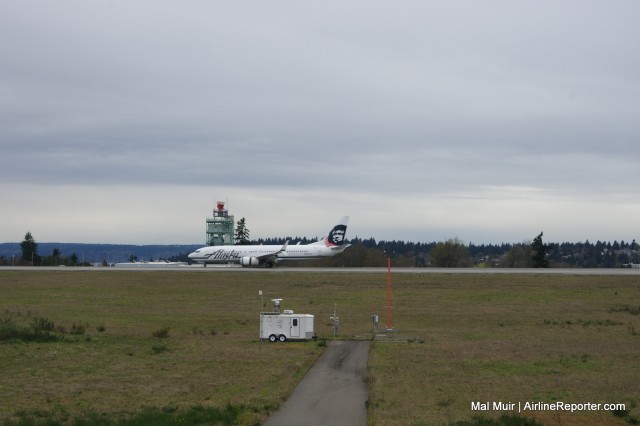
x=336, y=236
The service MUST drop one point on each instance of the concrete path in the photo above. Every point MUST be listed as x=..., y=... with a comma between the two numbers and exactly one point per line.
x=333, y=393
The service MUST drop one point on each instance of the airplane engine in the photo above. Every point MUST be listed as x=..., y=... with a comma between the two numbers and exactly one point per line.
x=249, y=261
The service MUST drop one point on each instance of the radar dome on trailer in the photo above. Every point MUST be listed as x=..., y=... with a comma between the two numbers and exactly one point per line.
x=280, y=327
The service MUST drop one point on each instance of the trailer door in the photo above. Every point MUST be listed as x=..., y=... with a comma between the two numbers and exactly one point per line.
x=295, y=327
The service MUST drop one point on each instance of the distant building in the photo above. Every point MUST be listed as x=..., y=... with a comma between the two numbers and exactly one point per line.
x=150, y=264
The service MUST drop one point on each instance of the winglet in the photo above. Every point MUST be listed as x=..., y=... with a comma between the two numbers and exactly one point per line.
x=284, y=247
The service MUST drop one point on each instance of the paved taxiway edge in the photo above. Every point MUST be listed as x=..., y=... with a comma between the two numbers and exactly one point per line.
x=284, y=269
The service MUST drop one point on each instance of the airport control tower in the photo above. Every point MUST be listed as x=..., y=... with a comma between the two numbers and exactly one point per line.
x=220, y=228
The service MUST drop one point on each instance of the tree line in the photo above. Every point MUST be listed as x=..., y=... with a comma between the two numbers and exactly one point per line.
x=450, y=253
x=31, y=257
x=455, y=253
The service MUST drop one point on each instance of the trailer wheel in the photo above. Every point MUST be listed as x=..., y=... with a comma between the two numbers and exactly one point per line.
x=282, y=338
x=273, y=338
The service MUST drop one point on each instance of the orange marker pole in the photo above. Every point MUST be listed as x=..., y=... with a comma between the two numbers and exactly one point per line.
x=389, y=293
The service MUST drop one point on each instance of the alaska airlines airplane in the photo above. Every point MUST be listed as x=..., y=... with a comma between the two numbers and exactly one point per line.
x=271, y=255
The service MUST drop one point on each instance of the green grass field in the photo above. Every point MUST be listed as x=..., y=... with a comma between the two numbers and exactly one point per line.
x=461, y=338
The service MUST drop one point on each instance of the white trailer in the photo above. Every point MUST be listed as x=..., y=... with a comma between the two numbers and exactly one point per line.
x=284, y=326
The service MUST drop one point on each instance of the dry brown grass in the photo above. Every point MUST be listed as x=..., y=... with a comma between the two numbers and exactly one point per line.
x=465, y=338
x=211, y=357
x=507, y=338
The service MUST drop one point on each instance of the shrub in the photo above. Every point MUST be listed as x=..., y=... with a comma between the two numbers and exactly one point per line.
x=42, y=324
x=161, y=333
x=158, y=349
x=9, y=329
x=78, y=329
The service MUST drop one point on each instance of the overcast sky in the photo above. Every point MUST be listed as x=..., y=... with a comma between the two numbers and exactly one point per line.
x=490, y=121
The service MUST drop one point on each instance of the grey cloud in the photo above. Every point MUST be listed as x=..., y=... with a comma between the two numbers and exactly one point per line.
x=425, y=98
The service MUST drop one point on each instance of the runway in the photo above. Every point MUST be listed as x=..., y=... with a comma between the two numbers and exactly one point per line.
x=364, y=270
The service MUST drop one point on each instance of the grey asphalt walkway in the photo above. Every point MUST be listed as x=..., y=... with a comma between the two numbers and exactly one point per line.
x=333, y=393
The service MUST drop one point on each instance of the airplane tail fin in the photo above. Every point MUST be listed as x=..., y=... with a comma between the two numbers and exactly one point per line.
x=337, y=234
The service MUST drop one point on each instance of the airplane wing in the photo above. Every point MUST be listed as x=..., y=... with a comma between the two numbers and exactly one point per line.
x=284, y=247
x=274, y=256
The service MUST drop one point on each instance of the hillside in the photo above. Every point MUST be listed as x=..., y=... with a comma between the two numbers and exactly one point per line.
x=97, y=253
